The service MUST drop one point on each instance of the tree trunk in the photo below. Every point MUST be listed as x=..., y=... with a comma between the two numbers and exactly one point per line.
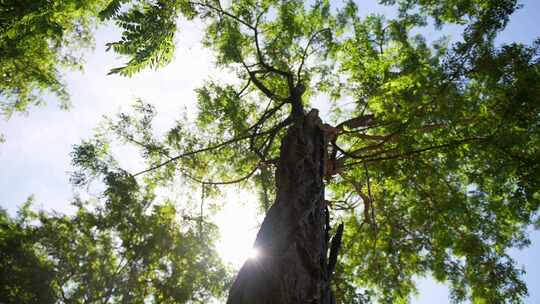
x=292, y=265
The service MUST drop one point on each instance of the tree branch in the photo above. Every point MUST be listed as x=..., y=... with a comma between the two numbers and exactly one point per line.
x=353, y=154
x=255, y=30
x=221, y=11
x=304, y=55
x=234, y=181
x=214, y=147
x=244, y=88
x=359, y=121
x=260, y=85
x=260, y=55
x=368, y=158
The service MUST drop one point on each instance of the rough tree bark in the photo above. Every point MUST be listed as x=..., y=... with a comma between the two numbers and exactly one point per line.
x=293, y=265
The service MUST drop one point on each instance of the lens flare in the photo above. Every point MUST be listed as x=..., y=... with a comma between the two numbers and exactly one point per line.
x=253, y=254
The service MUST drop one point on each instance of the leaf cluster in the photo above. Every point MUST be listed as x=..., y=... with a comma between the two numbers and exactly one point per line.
x=38, y=40
x=130, y=248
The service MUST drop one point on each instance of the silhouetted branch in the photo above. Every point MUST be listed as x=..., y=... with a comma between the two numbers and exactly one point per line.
x=373, y=157
x=214, y=147
x=224, y=12
x=304, y=55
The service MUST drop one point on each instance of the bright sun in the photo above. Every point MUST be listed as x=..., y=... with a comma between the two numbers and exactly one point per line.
x=253, y=253
x=238, y=225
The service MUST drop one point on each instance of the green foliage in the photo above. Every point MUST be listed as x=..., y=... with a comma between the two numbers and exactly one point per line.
x=149, y=29
x=442, y=180
x=128, y=249
x=437, y=148
x=129, y=246
x=38, y=39
x=26, y=274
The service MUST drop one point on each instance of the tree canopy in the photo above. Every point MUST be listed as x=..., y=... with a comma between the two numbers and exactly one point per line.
x=129, y=250
x=434, y=165
x=38, y=41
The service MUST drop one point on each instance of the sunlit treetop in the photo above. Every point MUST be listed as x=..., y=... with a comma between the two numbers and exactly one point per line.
x=435, y=166
x=39, y=40
x=130, y=246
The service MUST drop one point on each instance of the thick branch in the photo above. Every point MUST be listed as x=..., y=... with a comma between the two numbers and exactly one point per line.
x=373, y=157
x=354, y=154
x=372, y=137
x=356, y=122
x=391, y=137
x=260, y=55
x=260, y=85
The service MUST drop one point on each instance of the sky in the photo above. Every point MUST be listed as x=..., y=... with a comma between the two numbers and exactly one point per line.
x=36, y=156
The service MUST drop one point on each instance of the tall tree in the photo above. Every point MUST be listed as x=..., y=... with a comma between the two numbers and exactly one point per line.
x=430, y=155
x=431, y=158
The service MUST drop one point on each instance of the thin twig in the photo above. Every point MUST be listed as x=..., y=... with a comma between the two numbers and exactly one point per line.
x=221, y=11
x=304, y=55
x=220, y=145
x=239, y=94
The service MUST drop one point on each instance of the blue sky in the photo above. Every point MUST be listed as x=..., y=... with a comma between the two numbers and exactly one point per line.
x=35, y=159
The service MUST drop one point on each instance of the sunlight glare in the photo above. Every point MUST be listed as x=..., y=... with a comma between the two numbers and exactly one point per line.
x=238, y=225
x=253, y=253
